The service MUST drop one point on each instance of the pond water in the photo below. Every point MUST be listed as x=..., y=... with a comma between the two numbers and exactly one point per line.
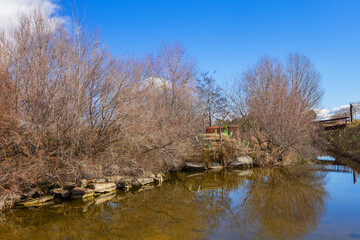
x=307, y=202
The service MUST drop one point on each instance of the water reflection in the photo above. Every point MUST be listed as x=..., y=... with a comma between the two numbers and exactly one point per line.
x=284, y=203
x=276, y=203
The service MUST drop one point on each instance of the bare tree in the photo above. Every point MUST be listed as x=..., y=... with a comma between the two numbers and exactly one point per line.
x=276, y=102
x=213, y=98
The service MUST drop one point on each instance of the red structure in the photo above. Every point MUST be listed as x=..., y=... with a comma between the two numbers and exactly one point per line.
x=212, y=129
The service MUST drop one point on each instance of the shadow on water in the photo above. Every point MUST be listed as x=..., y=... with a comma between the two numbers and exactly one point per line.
x=275, y=203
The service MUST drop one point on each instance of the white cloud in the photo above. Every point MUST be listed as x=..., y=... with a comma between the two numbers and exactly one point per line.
x=9, y=10
x=322, y=113
x=339, y=109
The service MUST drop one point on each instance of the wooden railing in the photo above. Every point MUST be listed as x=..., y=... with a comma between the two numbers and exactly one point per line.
x=341, y=120
x=335, y=123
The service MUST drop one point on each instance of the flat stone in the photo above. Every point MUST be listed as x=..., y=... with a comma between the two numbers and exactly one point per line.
x=114, y=179
x=194, y=166
x=215, y=166
x=102, y=187
x=102, y=180
x=144, y=181
x=38, y=201
x=81, y=192
x=61, y=193
x=148, y=174
x=241, y=161
x=125, y=182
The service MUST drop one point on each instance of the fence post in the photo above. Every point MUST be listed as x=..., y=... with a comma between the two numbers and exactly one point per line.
x=220, y=133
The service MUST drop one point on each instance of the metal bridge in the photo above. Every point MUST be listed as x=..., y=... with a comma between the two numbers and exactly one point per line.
x=339, y=122
x=335, y=123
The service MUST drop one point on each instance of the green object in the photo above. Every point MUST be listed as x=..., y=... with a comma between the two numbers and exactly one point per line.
x=254, y=147
x=202, y=142
x=200, y=134
x=225, y=129
x=210, y=143
x=231, y=133
x=248, y=144
x=239, y=141
x=244, y=143
x=214, y=154
x=215, y=132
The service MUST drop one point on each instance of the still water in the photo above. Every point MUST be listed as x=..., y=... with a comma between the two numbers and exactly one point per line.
x=308, y=202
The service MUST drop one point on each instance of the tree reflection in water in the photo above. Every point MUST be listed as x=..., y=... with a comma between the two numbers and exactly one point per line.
x=283, y=203
x=277, y=203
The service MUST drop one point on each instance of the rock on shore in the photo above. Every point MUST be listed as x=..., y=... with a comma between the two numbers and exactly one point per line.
x=242, y=161
x=81, y=193
x=38, y=201
x=102, y=187
x=194, y=166
x=61, y=193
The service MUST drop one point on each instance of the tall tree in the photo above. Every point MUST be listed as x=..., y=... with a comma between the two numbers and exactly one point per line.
x=213, y=98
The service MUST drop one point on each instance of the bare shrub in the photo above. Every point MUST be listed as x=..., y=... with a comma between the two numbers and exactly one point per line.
x=68, y=109
x=166, y=116
x=276, y=101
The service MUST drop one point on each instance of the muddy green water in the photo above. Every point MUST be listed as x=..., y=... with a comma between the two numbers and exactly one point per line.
x=310, y=202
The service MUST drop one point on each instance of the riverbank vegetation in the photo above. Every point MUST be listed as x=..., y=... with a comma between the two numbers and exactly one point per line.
x=343, y=142
x=69, y=110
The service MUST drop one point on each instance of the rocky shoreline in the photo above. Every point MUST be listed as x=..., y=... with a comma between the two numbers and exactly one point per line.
x=87, y=188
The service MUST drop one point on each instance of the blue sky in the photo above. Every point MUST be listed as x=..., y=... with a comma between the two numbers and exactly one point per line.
x=229, y=36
